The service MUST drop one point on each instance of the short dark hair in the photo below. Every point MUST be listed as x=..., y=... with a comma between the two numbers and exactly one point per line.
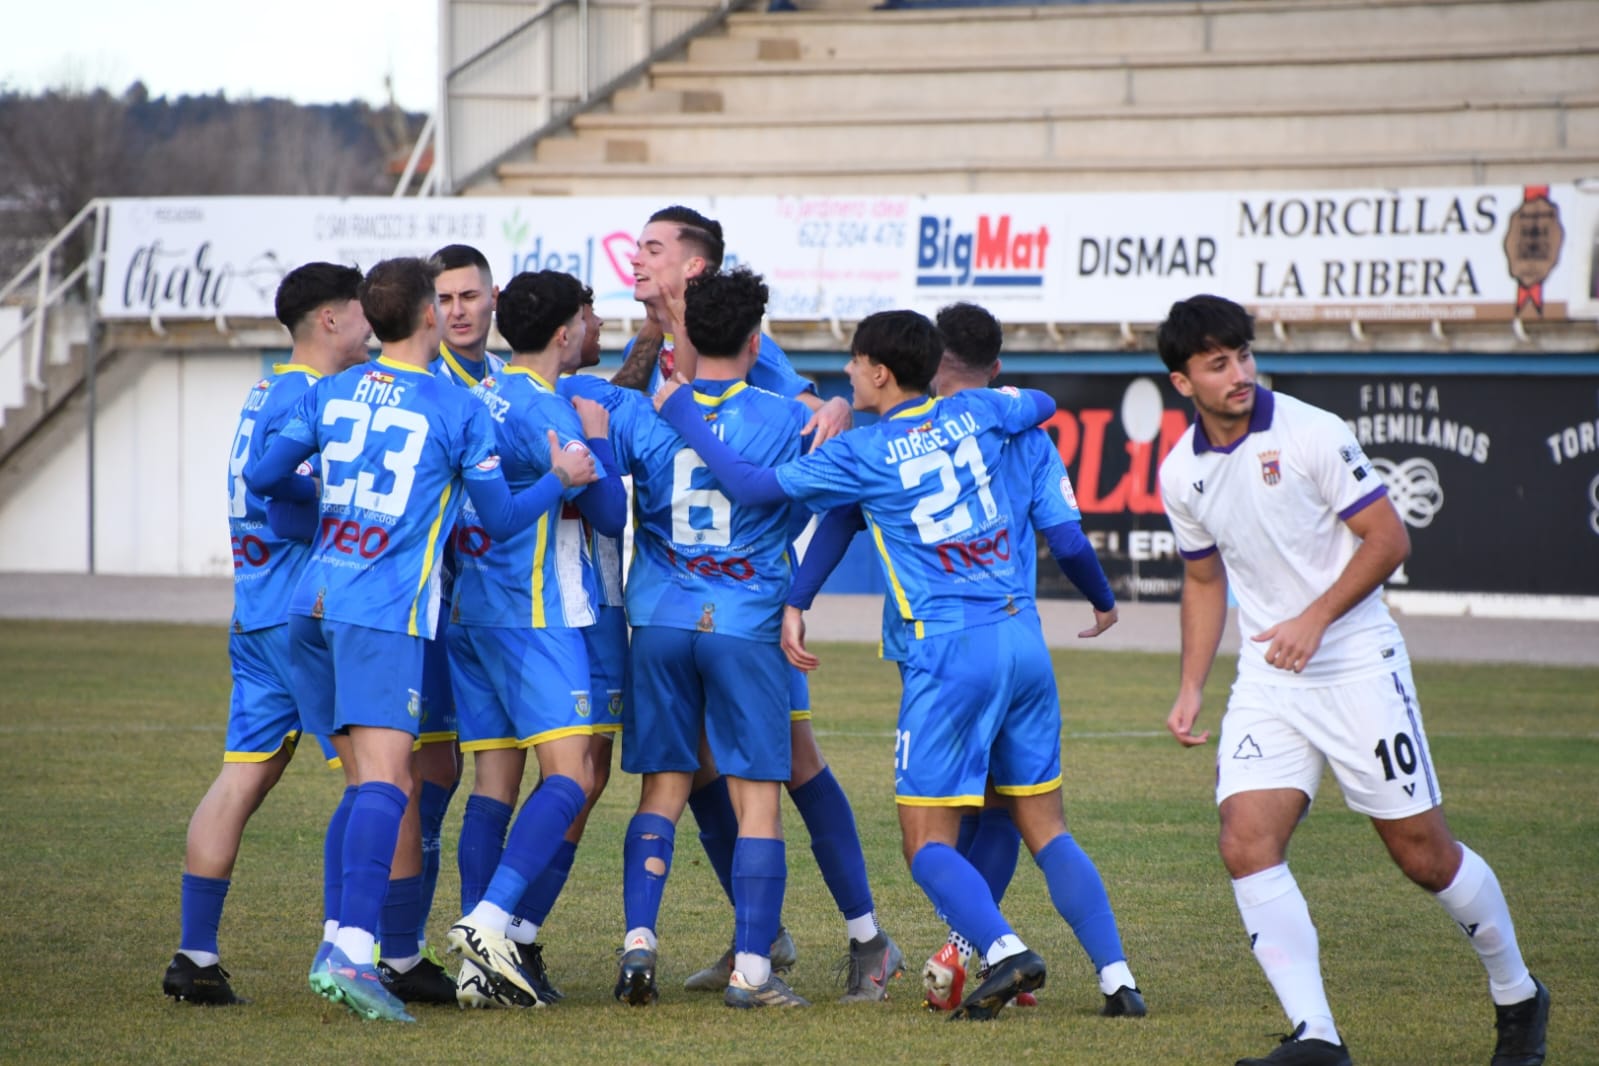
x=394, y=295
x=721, y=311
x=971, y=334
x=532, y=306
x=693, y=228
x=1201, y=324
x=456, y=256
x=305, y=288
x=905, y=342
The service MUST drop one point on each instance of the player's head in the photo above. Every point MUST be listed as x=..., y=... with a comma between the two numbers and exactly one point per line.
x=538, y=308
x=320, y=300
x=892, y=348
x=466, y=297
x=972, y=339
x=1205, y=344
x=592, y=324
x=678, y=243
x=399, y=299
x=722, y=312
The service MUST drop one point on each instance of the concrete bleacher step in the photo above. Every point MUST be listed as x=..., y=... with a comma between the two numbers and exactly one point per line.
x=602, y=149
x=1293, y=26
x=1111, y=132
x=1384, y=71
x=744, y=49
x=666, y=101
x=984, y=174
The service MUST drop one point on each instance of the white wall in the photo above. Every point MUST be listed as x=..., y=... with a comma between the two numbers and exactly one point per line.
x=160, y=478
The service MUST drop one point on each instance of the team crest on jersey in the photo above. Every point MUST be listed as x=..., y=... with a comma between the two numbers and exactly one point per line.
x=580, y=704
x=413, y=703
x=707, y=624
x=1271, y=470
x=614, y=705
x=1067, y=494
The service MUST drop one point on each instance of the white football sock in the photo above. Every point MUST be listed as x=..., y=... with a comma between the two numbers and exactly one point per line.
x=1283, y=939
x=1477, y=904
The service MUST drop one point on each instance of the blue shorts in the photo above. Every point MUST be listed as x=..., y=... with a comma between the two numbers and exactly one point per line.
x=977, y=703
x=799, y=695
x=685, y=682
x=515, y=688
x=262, y=716
x=345, y=675
x=607, y=646
x=438, y=702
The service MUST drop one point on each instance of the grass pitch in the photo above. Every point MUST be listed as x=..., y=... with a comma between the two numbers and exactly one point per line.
x=111, y=733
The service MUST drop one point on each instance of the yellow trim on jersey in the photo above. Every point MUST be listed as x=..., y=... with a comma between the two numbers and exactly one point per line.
x=707, y=400
x=530, y=372
x=939, y=801
x=799, y=716
x=497, y=744
x=427, y=563
x=900, y=599
x=290, y=740
x=608, y=728
x=289, y=368
x=1028, y=790
x=456, y=368
x=541, y=544
x=556, y=734
x=394, y=364
x=919, y=409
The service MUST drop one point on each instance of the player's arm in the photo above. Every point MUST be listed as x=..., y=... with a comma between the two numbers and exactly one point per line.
x=744, y=482
x=275, y=476
x=1203, y=617
x=1078, y=561
x=640, y=361
x=1384, y=544
x=294, y=520
x=603, y=503
x=829, y=418
x=826, y=549
x=502, y=514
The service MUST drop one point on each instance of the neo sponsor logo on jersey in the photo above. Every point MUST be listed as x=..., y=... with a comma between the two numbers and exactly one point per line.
x=997, y=252
x=352, y=538
x=736, y=567
x=956, y=555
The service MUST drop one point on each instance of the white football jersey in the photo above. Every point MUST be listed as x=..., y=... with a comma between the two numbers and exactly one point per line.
x=1273, y=504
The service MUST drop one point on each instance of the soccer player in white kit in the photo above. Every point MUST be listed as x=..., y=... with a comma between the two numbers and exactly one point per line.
x=1275, y=499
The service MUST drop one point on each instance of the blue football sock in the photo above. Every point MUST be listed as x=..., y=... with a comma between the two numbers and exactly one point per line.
x=649, y=836
x=540, y=897
x=994, y=848
x=968, y=830
x=835, y=842
x=435, y=802
x=333, y=856
x=369, y=854
x=713, y=813
x=478, y=851
x=538, y=833
x=397, y=930
x=202, y=899
x=1078, y=893
x=760, y=872
x=959, y=894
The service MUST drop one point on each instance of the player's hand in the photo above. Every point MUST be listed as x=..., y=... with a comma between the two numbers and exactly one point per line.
x=669, y=386
x=793, y=641
x=1291, y=644
x=595, y=418
x=1103, y=620
x=1180, y=722
x=574, y=466
x=829, y=420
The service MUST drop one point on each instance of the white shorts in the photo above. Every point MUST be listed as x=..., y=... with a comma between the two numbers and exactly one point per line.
x=1368, y=730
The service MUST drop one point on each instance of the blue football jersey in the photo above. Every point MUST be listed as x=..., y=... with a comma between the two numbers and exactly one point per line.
x=1035, y=480
x=604, y=552
x=395, y=444
x=542, y=577
x=926, y=477
x=454, y=367
x=772, y=370
x=265, y=565
x=701, y=561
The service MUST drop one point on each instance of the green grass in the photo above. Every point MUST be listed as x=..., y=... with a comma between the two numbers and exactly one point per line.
x=110, y=734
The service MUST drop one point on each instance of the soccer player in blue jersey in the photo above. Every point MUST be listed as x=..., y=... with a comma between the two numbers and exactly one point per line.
x=677, y=245
x=1037, y=484
x=398, y=447
x=704, y=596
x=978, y=684
x=517, y=652
x=318, y=305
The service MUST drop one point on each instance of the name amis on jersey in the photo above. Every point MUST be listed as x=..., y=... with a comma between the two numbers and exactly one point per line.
x=930, y=437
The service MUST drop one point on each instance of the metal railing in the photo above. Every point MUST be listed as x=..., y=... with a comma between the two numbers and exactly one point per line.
x=31, y=332
x=531, y=79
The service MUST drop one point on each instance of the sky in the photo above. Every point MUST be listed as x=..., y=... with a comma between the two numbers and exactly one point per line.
x=309, y=51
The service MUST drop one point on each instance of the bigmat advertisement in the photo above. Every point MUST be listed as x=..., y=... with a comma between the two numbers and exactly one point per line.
x=1496, y=478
